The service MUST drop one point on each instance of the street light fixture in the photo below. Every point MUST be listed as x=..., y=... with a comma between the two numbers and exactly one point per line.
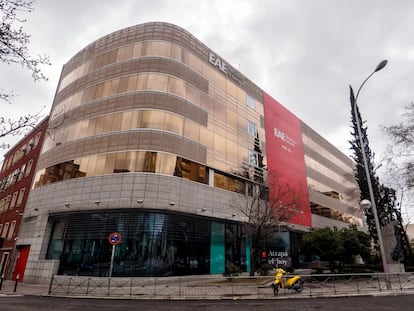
x=367, y=173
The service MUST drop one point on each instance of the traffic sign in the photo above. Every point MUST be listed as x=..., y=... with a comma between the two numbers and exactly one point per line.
x=114, y=238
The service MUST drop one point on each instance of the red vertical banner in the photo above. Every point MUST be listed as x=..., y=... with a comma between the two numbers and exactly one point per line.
x=285, y=154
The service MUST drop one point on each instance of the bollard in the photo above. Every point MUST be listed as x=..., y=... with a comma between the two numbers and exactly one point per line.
x=1, y=281
x=15, y=284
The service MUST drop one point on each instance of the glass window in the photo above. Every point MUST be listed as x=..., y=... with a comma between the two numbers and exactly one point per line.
x=56, y=241
x=176, y=86
x=231, y=88
x=166, y=164
x=114, y=87
x=153, y=119
x=117, y=121
x=123, y=85
x=195, y=63
x=109, y=163
x=176, y=52
x=140, y=161
x=132, y=83
x=232, y=151
x=21, y=196
x=206, y=137
x=99, y=91
x=251, y=102
x=121, y=163
x=174, y=123
x=121, y=54
x=2, y=205
x=29, y=167
x=100, y=124
x=219, y=144
x=251, y=128
x=126, y=120
x=13, y=200
x=137, y=50
x=90, y=171
x=6, y=227
x=106, y=89
x=228, y=183
x=160, y=49
x=231, y=118
x=35, y=142
x=253, y=158
x=100, y=164
x=157, y=82
x=142, y=82
x=131, y=160
x=191, y=130
x=150, y=160
x=11, y=230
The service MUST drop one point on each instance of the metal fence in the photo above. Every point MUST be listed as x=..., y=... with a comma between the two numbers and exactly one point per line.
x=220, y=287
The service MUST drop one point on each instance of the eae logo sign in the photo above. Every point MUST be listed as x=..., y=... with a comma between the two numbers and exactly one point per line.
x=285, y=139
x=224, y=67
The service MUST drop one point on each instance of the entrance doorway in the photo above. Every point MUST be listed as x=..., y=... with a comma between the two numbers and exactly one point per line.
x=3, y=263
x=21, y=262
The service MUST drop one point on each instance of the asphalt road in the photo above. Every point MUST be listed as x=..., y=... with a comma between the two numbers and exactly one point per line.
x=366, y=303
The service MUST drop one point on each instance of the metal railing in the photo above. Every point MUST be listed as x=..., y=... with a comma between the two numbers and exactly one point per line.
x=219, y=287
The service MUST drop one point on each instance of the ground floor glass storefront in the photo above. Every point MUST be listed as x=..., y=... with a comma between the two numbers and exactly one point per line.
x=154, y=243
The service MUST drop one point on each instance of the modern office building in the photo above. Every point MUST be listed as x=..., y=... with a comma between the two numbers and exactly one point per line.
x=16, y=177
x=151, y=136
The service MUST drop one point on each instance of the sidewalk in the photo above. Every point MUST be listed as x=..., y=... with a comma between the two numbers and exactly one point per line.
x=193, y=290
x=10, y=288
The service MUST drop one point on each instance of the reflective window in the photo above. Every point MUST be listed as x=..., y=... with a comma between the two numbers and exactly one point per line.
x=251, y=102
x=154, y=243
x=229, y=183
x=251, y=128
x=220, y=144
x=253, y=158
x=233, y=116
x=123, y=162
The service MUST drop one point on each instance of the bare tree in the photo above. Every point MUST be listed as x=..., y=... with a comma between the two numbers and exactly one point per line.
x=264, y=209
x=14, y=50
x=400, y=153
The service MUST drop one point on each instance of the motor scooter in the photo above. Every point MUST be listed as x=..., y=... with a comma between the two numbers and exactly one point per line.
x=295, y=282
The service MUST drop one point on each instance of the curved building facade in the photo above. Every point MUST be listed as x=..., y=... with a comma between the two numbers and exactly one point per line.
x=151, y=135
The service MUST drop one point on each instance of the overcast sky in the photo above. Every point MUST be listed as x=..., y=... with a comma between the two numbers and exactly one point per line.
x=305, y=54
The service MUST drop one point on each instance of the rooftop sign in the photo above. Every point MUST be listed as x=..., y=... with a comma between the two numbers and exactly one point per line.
x=224, y=67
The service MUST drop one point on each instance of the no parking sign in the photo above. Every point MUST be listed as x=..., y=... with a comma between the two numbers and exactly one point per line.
x=114, y=238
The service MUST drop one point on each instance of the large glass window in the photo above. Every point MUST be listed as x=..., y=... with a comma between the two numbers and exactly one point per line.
x=152, y=244
x=229, y=183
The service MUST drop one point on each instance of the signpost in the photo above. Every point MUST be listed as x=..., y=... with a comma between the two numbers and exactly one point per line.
x=114, y=239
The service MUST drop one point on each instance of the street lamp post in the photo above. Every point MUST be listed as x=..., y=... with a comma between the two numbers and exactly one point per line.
x=364, y=203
